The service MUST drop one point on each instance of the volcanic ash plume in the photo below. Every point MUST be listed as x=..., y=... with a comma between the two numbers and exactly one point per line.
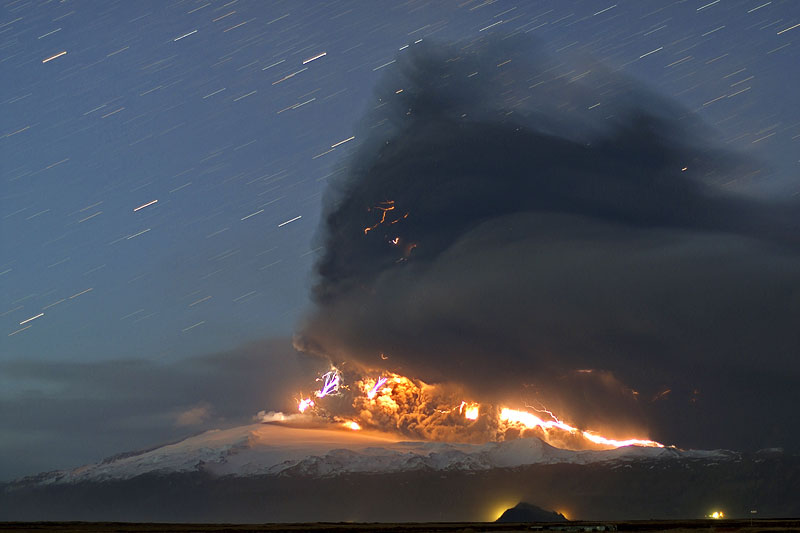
x=528, y=228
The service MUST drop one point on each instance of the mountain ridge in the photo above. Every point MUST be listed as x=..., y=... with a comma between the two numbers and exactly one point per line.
x=272, y=449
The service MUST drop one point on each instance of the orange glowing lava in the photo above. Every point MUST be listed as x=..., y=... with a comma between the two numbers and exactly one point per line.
x=531, y=421
x=470, y=410
x=304, y=404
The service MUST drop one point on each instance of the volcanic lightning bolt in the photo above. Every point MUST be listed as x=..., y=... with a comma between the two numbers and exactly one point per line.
x=385, y=207
x=375, y=388
x=330, y=383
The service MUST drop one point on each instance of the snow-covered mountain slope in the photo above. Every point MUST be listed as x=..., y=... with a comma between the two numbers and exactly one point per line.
x=270, y=449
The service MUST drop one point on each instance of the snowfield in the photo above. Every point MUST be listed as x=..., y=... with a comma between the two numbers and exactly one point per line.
x=272, y=449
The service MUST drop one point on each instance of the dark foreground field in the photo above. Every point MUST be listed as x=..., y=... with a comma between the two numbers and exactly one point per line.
x=651, y=526
x=637, y=490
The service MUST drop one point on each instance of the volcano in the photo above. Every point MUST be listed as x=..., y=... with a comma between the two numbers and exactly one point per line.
x=281, y=473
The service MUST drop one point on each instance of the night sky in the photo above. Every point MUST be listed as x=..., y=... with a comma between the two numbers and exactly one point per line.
x=165, y=167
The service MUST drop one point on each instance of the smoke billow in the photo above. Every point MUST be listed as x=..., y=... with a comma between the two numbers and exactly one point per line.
x=538, y=231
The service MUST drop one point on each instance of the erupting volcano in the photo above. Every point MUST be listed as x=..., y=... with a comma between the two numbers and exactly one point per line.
x=412, y=408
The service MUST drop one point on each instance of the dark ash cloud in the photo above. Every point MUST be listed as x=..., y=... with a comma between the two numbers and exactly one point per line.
x=499, y=229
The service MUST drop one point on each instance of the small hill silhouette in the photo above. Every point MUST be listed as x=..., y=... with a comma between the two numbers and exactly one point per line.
x=527, y=512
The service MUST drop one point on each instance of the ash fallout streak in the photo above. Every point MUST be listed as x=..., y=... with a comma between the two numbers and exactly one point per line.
x=541, y=231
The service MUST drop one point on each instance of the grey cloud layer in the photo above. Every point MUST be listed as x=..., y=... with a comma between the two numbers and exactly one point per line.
x=66, y=414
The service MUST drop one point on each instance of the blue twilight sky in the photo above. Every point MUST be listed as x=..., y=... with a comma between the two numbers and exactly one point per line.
x=163, y=163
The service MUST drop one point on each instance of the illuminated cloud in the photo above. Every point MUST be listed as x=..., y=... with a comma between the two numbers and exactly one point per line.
x=194, y=416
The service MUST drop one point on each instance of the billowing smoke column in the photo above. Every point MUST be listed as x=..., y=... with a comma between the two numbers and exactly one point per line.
x=554, y=233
